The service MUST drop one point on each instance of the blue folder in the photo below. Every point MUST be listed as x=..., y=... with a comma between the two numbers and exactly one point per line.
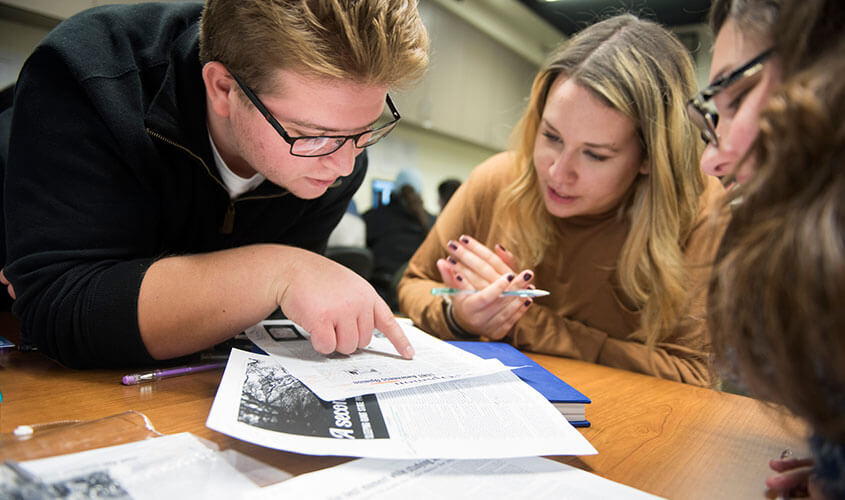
x=563, y=396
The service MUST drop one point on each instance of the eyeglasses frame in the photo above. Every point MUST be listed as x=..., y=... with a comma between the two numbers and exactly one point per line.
x=709, y=120
x=291, y=140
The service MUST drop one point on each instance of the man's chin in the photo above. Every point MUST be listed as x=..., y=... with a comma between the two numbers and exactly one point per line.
x=309, y=192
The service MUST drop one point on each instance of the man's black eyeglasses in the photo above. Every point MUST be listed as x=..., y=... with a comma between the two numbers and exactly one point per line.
x=321, y=145
x=701, y=109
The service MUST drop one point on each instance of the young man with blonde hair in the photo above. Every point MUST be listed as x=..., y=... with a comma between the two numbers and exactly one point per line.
x=176, y=169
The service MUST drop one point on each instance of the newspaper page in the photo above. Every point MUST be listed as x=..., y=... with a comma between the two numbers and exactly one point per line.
x=495, y=416
x=174, y=466
x=375, y=479
x=373, y=370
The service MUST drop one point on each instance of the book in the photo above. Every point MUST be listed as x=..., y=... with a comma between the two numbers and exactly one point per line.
x=570, y=402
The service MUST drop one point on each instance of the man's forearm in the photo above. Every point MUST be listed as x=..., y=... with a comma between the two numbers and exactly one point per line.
x=189, y=303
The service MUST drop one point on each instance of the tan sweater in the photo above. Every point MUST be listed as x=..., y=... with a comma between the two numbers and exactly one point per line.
x=586, y=316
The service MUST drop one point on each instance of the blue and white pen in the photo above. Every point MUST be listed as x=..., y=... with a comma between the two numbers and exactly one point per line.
x=508, y=293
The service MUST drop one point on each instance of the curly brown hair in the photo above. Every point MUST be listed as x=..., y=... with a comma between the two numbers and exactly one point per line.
x=776, y=309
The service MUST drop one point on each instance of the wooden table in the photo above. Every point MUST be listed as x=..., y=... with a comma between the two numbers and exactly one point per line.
x=666, y=438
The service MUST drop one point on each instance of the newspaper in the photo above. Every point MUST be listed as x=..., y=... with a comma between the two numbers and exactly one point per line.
x=495, y=416
x=374, y=479
x=373, y=370
x=174, y=466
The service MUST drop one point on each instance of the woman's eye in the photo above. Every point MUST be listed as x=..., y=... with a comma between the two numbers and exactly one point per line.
x=551, y=137
x=594, y=156
x=736, y=102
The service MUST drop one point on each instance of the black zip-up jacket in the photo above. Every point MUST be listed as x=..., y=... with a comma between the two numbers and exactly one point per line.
x=110, y=168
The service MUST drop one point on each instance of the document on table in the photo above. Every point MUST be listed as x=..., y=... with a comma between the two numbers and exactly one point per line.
x=174, y=466
x=374, y=479
x=373, y=370
x=495, y=416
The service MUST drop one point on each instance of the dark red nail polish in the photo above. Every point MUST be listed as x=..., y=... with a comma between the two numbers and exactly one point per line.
x=527, y=303
x=451, y=260
x=510, y=277
x=458, y=277
x=452, y=245
x=465, y=240
x=526, y=276
x=501, y=247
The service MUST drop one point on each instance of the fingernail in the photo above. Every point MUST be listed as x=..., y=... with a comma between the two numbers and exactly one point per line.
x=409, y=352
x=451, y=260
x=526, y=276
x=527, y=302
x=501, y=247
x=452, y=245
x=465, y=240
x=510, y=277
x=458, y=277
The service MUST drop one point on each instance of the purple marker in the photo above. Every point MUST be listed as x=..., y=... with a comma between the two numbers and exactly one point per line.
x=137, y=378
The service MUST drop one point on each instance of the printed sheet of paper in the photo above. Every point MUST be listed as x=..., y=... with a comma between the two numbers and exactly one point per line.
x=174, y=466
x=373, y=370
x=373, y=479
x=495, y=416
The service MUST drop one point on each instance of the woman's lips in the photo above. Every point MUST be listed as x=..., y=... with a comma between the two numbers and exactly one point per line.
x=561, y=198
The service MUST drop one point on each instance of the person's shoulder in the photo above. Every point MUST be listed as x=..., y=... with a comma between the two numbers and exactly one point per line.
x=99, y=32
x=150, y=12
x=713, y=196
x=496, y=171
x=503, y=162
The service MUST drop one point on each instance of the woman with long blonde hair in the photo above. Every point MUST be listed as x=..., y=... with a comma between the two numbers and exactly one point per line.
x=601, y=202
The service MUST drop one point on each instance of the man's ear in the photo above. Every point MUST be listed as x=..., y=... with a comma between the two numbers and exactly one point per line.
x=219, y=88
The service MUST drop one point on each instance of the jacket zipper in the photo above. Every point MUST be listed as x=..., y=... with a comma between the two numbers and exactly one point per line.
x=229, y=218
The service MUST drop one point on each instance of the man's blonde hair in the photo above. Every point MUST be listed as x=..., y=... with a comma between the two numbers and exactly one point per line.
x=371, y=42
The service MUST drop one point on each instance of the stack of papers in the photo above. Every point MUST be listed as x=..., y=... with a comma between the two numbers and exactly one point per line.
x=371, y=479
x=175, y=466
x=445, y=403
x=183, y=466
x=492, y=416
x=374, y=370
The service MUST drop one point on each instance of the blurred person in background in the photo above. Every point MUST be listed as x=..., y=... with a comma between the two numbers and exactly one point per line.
x=395, y=231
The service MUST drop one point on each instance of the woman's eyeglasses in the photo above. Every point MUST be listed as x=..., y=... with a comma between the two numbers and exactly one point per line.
x=701, y=109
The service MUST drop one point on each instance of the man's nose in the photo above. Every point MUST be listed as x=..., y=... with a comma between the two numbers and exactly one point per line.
x=342, y=161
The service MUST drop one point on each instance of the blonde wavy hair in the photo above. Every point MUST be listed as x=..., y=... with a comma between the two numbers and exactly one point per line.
x=373, y=42
x=639, y=69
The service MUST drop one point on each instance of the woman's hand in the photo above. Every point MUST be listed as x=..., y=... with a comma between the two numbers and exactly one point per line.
x=473, y=266
x=794, y=478
x=477, y=265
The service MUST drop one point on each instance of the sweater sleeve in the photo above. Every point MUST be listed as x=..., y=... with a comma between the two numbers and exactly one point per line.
x=80, y=223
x=542, y=331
